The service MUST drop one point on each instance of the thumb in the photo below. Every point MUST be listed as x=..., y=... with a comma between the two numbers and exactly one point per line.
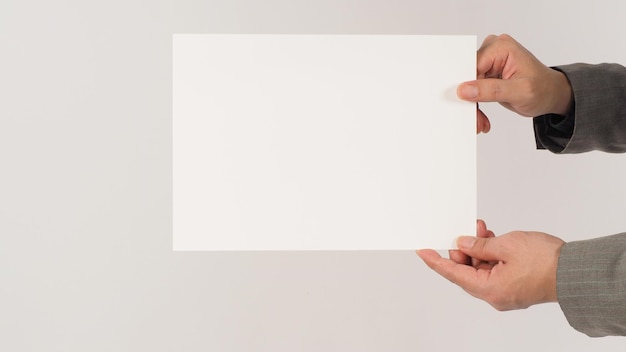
x=489, y=90
x=487, y=249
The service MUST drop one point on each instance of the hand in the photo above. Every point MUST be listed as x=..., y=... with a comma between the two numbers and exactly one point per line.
x=509, y=74
x=512, y=271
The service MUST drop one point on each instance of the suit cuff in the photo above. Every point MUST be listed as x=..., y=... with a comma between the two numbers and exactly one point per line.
x=598, y=119
x=591, y=285
x=553, y=132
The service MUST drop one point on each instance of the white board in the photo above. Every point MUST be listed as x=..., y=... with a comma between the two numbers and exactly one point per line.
x=322, y=142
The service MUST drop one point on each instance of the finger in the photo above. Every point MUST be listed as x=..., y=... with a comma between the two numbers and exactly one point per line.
x=481, y=231
x=481, y=228
x=459, y=257
x=465, y=276
x=427, y=254
x=488, y=40
x=490, y=90
x=481, y=57
x=482, y=122
x=481, y=264
x=476, y=263
x=485, y=265
x=492, y=56
x=485, y=249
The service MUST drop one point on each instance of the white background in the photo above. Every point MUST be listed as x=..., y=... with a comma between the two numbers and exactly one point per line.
x=85, y=198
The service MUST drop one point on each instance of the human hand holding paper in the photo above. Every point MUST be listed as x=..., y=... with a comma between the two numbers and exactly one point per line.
x=512, y=271
x=509, y=74
x=518, y=269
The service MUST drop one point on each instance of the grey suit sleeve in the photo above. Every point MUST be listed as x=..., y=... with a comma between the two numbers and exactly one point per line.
x=591, y=285
x=598, y=119
x=591, y=275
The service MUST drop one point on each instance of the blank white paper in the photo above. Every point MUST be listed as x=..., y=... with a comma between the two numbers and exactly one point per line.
x=322, y=142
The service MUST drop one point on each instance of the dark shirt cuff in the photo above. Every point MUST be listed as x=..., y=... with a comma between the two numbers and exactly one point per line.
x=553, y=132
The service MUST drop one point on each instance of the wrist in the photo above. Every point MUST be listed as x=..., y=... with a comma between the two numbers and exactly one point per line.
x=551, y=291
x=563, y=93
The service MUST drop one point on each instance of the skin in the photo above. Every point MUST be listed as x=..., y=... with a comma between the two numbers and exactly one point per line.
x=512, y=271
x=510, y=75
x=517, y=269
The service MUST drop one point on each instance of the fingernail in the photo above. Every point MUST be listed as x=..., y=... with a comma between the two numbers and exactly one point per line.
x=465, y=241
x=468, y=91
